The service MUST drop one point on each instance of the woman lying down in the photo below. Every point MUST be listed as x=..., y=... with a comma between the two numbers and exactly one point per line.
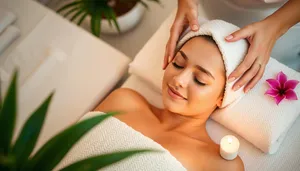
x=193, y=87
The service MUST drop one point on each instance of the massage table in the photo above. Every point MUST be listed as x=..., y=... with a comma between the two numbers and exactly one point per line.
x=77, y=70
x=287, y=158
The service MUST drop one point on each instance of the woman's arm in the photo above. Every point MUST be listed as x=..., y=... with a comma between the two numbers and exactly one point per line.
x=187, y=15
x=233, y=165
x=287, y=16
x=262, y=37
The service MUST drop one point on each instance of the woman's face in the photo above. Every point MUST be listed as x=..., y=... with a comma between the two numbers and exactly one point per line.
x=194, y=81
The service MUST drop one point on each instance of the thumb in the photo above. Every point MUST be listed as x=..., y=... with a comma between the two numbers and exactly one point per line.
x=240, y=34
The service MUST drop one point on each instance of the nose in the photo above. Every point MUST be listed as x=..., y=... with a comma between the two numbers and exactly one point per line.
x=182, y=79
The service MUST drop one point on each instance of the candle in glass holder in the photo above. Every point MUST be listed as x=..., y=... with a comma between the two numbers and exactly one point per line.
x=229, y=147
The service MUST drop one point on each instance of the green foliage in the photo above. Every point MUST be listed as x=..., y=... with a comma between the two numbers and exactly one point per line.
x=96, y=9
x=17, y=156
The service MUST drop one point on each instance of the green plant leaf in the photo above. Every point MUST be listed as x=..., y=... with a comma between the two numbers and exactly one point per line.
x=7, y=162
x=96, y=22
x=0, y=95
x=92, y=25
x=114, y=18
x=77, y=14
x=71, y=11
x=57, y=147
x=8, y=116
x=107, y=15
x=30, y=133
x=98, y=162
x=69, y=5
x=82, y=18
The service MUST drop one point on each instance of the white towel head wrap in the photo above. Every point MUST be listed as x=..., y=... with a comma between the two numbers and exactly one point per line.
x=232, y=52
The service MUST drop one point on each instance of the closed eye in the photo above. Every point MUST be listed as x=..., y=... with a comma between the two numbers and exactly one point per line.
x=177, y=66
x=198, y=82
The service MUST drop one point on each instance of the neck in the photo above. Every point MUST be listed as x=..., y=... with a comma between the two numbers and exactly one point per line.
x=192, y=126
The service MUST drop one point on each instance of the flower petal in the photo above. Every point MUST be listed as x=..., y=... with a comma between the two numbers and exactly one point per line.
x=274, y=84
x=272, y=92
x=279, y=98
x=281, y=77
x=291, y=95
x=290, y=84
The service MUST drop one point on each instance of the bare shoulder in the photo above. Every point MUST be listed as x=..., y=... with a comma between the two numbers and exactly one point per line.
x=233, y=165
x=217, y=163
x=123, y=100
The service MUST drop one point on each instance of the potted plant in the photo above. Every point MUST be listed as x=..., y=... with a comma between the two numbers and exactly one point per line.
x=106, y=16
x=18, y=156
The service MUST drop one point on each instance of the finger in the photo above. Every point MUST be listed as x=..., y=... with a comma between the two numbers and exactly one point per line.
x=254, y=81
x=175, y=33
x=251, y=73
x=245, y=65
x=192, y=20
x=240, y=34
x=165, y=64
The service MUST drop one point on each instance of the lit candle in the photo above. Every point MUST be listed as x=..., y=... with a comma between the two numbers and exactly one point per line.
x=229, y=147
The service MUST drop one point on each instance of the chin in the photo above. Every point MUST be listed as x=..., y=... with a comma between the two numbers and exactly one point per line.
x=171, y=105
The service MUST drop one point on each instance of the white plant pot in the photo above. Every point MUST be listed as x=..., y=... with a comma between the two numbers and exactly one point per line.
x=126, y=21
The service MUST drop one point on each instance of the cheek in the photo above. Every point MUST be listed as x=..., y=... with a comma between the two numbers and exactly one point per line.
x=201, y=98
x=196, y=95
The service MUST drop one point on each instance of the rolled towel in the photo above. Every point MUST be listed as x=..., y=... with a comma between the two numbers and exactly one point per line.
x=113, y=135
x=6, y=19
x=10, y=34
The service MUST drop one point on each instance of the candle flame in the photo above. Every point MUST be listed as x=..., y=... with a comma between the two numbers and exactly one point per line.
x=230, y=140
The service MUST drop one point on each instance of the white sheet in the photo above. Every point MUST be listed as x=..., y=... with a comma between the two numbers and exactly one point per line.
x=287, y=157
x=6, y=19
x=9, y=35
x=113, y=135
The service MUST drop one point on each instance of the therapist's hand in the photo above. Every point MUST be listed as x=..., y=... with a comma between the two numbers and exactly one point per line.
x=187, y=15
x=261, y=36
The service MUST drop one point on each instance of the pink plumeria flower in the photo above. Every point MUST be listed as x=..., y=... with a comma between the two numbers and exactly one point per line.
x=281, y=88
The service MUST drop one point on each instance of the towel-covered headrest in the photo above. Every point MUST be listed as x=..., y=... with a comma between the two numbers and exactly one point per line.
x=233, y=53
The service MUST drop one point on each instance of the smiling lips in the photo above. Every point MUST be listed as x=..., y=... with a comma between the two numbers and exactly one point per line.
x=174, y=94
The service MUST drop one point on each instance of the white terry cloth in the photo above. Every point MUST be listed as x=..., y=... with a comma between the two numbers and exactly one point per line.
x=114, y=135
x=10, y=34
x=257, y=118
x=233, y=53
x=6, y=19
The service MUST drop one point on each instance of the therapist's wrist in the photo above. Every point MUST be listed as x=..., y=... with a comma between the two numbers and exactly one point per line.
x=285, y=17
x=280, y=28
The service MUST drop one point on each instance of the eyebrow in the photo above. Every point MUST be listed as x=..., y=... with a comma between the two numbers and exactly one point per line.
x=198, y=67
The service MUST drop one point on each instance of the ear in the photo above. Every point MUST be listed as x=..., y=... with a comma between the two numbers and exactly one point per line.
x=219, y=101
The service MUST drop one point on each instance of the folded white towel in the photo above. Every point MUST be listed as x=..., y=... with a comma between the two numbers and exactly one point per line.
x=113, y=135
x=8, y=36
x=6, y=19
